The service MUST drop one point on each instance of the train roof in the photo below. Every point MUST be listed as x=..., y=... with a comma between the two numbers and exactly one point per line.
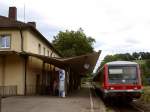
x=121, y=63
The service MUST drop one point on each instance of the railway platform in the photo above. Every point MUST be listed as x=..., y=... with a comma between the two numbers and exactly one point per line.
x=83, y=100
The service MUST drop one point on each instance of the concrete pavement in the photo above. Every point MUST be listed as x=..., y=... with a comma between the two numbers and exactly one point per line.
x=80, y=101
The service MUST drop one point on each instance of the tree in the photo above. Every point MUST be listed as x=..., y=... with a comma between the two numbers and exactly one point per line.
x=135, y=55
x=73, y=43
x=117, y=57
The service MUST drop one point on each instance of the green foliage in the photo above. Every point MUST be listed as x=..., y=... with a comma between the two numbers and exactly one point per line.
x=148, y=63
x=146, y=96
x=117, y=57
x=127, y=57
x=73, y=43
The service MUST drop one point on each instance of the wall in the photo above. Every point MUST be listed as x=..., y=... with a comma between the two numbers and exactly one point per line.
x=14, y=72
x=32, y=44
x=15, y=39
x=1, y=66
x=34, y=68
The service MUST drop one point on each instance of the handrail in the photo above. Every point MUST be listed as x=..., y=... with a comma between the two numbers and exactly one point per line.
x=8, y=91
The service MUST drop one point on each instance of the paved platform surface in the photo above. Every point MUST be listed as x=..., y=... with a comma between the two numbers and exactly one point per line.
x=83, y=100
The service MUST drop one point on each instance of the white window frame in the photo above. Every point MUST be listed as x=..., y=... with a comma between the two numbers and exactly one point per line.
x=5, y=41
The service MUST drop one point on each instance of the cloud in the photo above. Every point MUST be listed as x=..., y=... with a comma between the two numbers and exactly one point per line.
x=46, y=29
x=49, y=31
x=132, y=41
x=117, y=26
x=3, y=9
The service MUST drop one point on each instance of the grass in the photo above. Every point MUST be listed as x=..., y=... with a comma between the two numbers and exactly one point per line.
x=146, y=95
x=140, y=61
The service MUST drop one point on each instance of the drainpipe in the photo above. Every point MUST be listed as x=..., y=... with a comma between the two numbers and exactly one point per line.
x=51, y=57
x=3, y=70
x=51, y=54
x=25, y=75
x=25, y=61
x=21, y=39
x=43, y=78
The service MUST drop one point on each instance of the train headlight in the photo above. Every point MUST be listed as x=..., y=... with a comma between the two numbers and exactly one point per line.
x=112, y=88
x=135, y=88
x=105, y=91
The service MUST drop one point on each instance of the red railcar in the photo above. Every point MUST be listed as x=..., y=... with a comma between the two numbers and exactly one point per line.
x=119, y=79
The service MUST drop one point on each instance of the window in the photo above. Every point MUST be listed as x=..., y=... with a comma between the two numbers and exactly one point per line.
x=39, y=48
x=5, y=41
x=44, y=50
x=47, y=53
x=122, y=74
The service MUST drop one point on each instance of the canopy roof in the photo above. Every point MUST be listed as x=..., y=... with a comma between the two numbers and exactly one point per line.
x=78, y=64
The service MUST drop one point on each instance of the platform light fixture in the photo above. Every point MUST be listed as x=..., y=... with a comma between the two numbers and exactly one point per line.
x=86, y=66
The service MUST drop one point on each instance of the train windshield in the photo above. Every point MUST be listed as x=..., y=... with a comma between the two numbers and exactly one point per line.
x=122, y=75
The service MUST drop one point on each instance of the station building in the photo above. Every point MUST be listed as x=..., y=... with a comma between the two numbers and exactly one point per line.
x=29, y=64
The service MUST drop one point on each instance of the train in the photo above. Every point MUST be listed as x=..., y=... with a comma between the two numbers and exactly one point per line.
x=119, y=79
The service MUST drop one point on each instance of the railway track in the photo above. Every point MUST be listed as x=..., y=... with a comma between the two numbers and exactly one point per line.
x=121, y=106
x=137, y=107
x=124, y=107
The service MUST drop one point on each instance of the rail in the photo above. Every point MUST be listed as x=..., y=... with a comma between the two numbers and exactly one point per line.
x=8, y=91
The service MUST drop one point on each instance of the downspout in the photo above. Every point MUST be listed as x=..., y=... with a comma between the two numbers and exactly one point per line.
x=43, y=78
x=25, y=61
x=51, y=73
x=51, y=57
x=3, y=70
x=20, y=29
x=25, y=73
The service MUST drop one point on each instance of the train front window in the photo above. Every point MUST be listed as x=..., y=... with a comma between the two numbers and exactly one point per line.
x=119, y=74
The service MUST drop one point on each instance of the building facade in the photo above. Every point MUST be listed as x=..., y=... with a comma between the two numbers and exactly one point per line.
x=29, y=64
x=21, y=73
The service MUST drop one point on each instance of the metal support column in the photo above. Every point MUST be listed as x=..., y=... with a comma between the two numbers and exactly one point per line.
x=0, y=103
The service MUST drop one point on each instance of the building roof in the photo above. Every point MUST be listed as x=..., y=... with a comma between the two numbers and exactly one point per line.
x=10, y=24
x=121, y=63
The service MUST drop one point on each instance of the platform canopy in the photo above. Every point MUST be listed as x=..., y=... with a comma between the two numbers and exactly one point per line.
x=78, y=64
x=82, y=64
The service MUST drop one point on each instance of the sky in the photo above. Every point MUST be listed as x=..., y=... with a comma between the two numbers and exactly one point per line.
x=118, y=26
